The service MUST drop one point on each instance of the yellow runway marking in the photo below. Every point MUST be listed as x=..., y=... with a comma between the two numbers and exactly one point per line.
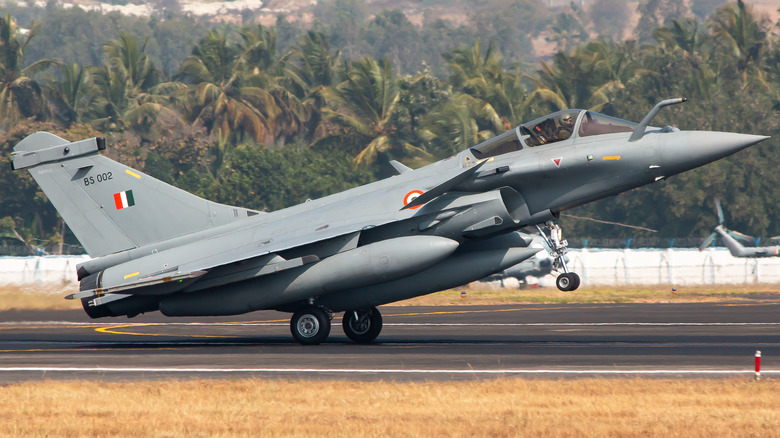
x=21, y=327
x=46, y=350
x=111, y=330
x=115, y=329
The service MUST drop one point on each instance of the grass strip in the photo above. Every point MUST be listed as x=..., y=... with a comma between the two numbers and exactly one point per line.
x=501, y=407
x=52, y=298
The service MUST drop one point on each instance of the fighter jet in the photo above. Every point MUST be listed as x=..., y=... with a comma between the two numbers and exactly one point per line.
x=732, y=240
x=537, y=266
x=156, y=247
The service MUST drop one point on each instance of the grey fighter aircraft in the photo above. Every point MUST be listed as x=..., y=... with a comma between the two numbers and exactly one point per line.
x=156, y=247
x=537, y=266
x=732, y=240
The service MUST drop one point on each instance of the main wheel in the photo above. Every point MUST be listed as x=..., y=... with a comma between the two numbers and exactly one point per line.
x=568, y=281
x=362, y=326
x=310, y=325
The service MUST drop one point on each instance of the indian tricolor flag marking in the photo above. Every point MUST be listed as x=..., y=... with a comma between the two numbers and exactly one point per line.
x=124, y=199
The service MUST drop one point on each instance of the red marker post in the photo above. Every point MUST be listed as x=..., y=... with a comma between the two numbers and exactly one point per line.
x=758, y=364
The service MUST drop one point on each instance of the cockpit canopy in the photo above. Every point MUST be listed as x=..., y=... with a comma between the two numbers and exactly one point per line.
x=549, y=129
x=552, y=128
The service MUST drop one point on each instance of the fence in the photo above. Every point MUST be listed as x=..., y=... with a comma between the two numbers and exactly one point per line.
x=55, y=270
x=680, y=266
x=677, y=266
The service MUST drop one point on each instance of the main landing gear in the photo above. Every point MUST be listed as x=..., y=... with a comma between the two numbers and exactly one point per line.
x=362, y=326
x=311, y=325
x=567, y=281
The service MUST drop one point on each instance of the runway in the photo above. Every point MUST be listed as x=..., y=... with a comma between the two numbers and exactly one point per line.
x=417, y=343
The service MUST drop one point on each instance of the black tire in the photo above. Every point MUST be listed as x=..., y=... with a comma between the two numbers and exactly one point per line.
x=564, y=282
x=365, y=328
x=575, y=281
x=310, y=325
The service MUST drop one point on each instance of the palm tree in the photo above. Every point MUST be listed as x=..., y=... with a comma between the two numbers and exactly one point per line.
x=473, y=74
x=617, y=66
x=128, y=92
x=460, y=124
x=743, y=35
x=578, y=80
x=69, y=95
x=125, y=53
x=566, y=30
x=267, y=71
x=219, y=94
x=313, y=69
x=684, y=40
x=484, y=78
x=683, y=34
x=21, y=95
x=365, y=106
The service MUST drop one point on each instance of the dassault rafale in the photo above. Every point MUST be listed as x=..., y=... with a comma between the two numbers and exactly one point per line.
x=537, y=266
x=155, y=247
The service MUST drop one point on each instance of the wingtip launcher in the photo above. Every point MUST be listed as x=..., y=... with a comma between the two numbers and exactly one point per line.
x=60, y=152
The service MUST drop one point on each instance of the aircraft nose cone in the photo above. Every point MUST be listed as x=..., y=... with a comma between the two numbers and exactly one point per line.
x=687, y=150
x=715, y=145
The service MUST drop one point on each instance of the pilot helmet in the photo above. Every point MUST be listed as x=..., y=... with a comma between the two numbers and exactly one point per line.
x=566, y=119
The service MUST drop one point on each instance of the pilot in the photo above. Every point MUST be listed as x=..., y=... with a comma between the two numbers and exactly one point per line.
x=565, y=127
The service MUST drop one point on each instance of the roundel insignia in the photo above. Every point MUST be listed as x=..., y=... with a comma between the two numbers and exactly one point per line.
x=411, y=196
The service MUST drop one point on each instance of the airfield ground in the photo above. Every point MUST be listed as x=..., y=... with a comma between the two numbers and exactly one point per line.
x=30, y=297
x=501, y=407
x=603, y=407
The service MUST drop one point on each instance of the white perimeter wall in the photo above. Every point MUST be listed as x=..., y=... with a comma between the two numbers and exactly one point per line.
x=55, y=270
x=680, y=266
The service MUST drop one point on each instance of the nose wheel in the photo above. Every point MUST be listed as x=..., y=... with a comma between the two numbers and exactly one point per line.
x=567, y=281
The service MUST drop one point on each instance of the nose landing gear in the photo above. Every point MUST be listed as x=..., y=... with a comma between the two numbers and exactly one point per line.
x=567, y=281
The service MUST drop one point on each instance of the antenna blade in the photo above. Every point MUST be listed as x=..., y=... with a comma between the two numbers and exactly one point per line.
x=708, y=241
x=721, y=218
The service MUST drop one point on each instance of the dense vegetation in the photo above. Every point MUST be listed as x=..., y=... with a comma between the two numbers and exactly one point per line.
x=268, y=116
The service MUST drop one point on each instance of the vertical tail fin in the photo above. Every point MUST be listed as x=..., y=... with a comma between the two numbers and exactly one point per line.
x=108, y=206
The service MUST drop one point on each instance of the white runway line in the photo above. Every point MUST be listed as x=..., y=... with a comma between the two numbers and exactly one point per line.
x=378, y=371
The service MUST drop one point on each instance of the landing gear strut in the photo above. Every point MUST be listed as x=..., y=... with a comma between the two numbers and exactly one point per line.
x=362, y=326
x=567, y=281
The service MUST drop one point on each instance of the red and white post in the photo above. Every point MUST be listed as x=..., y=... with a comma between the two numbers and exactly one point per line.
x=758, y=364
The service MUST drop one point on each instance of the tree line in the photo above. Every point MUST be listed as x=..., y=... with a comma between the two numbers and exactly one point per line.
x=243, y=121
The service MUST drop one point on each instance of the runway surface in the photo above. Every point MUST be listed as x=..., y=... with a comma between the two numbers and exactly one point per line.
x=417, y=343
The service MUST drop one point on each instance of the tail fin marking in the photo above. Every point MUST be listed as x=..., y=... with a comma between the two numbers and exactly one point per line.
x=111, y=207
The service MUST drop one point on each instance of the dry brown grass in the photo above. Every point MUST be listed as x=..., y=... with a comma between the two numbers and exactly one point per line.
x=502, y=407
x=36, y=298
x=480, y=294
